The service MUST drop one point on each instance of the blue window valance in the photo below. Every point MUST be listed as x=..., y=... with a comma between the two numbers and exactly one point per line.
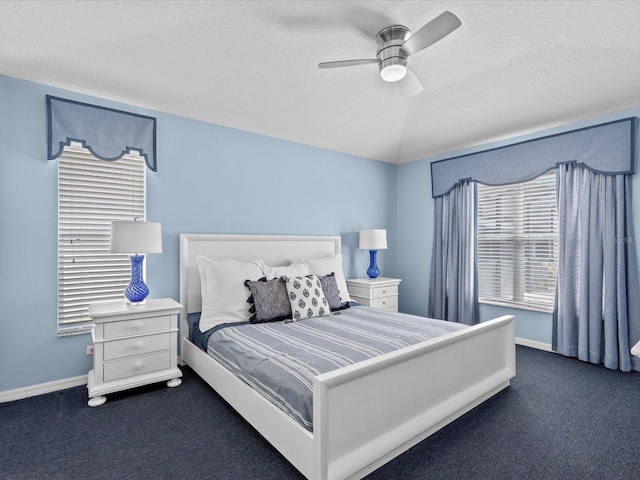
x=107, y=133
x=607, y=148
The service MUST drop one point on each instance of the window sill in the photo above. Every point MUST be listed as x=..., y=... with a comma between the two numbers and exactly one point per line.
x=517, y=306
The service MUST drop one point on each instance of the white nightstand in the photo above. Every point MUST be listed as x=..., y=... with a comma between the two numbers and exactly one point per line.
x=133, y=345
x=381, y=292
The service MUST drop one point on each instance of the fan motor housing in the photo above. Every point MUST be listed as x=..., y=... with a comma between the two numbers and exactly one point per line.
x=390, y=41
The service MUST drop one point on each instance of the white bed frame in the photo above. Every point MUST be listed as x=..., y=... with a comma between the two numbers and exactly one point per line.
x=364, y=414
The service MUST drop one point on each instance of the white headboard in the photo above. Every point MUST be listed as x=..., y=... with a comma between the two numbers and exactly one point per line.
x=275, y=250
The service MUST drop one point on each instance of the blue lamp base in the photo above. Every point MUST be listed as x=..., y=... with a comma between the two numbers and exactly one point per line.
x=373, y=270
x=137, y=291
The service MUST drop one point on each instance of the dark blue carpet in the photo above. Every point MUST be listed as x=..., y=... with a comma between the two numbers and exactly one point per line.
x=559, y=419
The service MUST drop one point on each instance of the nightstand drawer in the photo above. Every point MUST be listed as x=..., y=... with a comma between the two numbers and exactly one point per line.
x=359, y=291
x=385, y=303
x=137, y=327
x=136, y=366
x=128, y=347
x=377, y=292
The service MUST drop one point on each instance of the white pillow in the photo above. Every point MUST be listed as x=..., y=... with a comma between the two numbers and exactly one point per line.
x=224, y=295
x=293, y=270
x=326, y=266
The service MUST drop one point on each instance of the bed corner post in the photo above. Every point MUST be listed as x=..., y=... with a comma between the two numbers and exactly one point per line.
x=184, y=300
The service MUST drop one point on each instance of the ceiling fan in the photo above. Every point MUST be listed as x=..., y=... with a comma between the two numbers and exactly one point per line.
x=396, y=44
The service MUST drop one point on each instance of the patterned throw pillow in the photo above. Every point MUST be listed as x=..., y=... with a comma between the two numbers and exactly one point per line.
x=270, y=300
x=306, y=297
x=332, y=292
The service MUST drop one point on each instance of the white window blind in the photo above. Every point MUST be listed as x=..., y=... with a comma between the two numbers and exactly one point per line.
x=91, y=194
x=518, y=243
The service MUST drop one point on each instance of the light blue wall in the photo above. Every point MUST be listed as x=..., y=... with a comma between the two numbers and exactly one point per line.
x=210, y=179
x=415, y=226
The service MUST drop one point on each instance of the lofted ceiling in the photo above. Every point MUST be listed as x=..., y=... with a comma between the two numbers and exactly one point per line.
x=512, y=67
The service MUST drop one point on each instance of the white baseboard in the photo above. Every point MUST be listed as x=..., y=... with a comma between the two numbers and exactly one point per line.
x=533, y=344
x=42, y=388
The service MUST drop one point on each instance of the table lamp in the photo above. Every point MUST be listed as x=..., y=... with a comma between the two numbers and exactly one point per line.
x=373, y=240
x=136, y=238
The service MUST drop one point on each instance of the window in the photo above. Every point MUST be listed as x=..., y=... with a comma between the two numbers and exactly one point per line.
x=91, y=194
x=518, y=243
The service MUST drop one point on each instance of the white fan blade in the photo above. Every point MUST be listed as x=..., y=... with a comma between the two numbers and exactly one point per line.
x=435, y=30
x=347, y=63
x=410, y=84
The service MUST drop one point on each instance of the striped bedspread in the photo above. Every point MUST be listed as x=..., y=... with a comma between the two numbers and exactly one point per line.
x=280, y=359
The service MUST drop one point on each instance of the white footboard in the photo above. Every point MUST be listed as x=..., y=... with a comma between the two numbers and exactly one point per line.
x=368, y=413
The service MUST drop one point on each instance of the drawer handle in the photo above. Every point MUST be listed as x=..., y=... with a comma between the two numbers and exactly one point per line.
x=384, y=302
x=139, y=366
x=384, y=291
x=139, y=345
x=139, y=326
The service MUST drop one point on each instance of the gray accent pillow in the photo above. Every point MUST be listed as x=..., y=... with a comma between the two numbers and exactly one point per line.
x=332, y=292
x=269, y=299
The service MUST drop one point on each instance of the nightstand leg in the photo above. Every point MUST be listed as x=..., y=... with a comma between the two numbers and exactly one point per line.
x=174, y=382
x=97, y=401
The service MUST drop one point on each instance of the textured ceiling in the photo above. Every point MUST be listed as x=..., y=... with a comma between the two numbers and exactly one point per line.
x=511, y=68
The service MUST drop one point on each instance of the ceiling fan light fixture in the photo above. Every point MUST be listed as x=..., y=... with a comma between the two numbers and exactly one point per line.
x=393, y=69
x=396, y=43
x=393, y=61
x=393, y=73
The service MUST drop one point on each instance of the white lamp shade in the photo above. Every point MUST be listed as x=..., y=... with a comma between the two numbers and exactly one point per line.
x=132, y=237
x=374, y=239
